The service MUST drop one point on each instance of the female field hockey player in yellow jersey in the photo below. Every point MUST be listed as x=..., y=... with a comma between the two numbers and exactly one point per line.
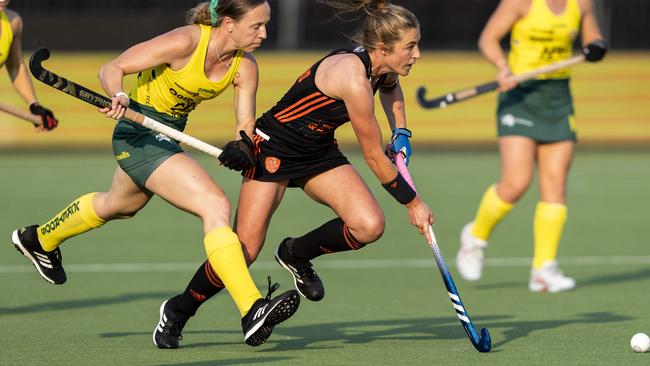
x=535, y=124
x=296, y=147
x=176, y=71
x=11, y=54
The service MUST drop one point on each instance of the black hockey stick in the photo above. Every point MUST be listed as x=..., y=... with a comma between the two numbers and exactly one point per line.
x=98, y=100
x=461, y=95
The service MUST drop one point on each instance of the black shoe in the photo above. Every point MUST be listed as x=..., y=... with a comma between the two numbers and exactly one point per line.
x=167, y=333
x=305, y=278
x=266, y=313
x=48, y=264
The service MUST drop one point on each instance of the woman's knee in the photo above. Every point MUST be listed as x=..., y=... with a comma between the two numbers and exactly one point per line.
x=553, y=189
x=251, y=250
x=369, y=228
x=251, y=243
x=108, y=207
x=214, y=206
x=512, y=188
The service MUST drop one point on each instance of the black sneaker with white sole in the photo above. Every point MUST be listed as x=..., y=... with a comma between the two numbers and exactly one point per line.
x=48, y=264
x=167, y=334
x=305, y=278
x=266, y=313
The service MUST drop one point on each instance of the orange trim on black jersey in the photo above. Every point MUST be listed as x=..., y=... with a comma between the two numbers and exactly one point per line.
x=308, y=111
x=250, y=172
x=294, y=105
x=285, y=116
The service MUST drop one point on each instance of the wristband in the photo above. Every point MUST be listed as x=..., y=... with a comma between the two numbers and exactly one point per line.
x=400, y=189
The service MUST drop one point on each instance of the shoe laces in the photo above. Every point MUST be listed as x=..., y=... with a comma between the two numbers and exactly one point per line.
x=304, y=269
x=272, y=288
x=555, y=271
x=174, y=325
x=551, y=271
x=55, y=257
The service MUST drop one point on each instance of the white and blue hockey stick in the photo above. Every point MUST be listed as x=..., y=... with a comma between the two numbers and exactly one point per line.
x=482, y=342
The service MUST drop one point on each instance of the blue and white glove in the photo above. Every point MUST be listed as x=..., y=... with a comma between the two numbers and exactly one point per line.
x=400, y=143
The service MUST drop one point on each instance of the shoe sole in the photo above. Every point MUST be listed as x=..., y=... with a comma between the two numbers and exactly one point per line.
x=540, y=287
x=15, y=239
x=282, y=311
x=158, y=326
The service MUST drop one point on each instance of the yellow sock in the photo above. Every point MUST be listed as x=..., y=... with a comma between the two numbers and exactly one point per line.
x=75, y=219
x=490, y=212
x=227, y=260
x=548, y=225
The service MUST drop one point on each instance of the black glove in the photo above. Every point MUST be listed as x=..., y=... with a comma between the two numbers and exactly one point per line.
x=595, y=51
x=47, y=118
x=238, y=154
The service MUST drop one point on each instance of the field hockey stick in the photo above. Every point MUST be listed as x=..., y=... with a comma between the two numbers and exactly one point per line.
x=461, y=95
x=98, y=100
x=482, y=342
x=24, y=115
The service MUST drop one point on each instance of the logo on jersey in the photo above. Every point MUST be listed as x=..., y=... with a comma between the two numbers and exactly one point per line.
x=304, y=75
x=509, y=120
x=272, y=164
x=162, y=137
x=123, y=155
x=359, y=49
x=68, y=212
x=197, y=296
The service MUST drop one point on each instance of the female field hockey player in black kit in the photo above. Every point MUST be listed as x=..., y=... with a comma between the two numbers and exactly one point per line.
x=11, y=54
x=295, y=147
x=177, y=71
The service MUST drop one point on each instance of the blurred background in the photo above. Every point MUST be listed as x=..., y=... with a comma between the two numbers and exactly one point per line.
x=611, y=97
x=83, y=25
x=386, y=304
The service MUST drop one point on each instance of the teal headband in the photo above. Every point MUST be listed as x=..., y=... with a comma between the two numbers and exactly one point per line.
x=213, y=11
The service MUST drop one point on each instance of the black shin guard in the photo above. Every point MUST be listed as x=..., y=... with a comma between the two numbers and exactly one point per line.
x=333, y=236
x=203, y=286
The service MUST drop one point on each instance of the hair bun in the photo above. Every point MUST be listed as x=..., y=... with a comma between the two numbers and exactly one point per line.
x=383, y=4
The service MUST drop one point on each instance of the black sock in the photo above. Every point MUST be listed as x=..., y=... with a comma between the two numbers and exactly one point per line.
x=332, y=237
x=203, y=286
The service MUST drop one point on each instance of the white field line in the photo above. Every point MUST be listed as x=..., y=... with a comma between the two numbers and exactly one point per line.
x=333, y=264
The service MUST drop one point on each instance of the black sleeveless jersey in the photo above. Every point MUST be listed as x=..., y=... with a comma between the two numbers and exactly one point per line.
x=305, y=115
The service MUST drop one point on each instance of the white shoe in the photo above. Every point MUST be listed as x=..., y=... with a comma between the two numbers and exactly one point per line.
x=549, y=278
x=469, y=260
